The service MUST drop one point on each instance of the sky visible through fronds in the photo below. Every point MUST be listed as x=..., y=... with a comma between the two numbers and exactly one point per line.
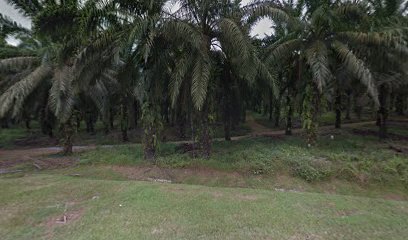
x=262, y=28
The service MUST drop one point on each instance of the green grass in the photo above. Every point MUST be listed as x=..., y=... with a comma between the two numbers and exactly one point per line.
x=347, y=164
x=31, y=204
x=282, y=190
x=325, y=119
x=9, y=135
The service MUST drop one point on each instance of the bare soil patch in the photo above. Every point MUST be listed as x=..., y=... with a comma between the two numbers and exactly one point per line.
x=37, y=158
x=67, y=217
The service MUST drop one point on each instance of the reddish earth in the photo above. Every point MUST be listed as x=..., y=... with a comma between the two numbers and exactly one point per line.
x=37, y=157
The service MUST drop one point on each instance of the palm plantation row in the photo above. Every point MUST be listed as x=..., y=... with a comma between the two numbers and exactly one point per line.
x=197, y=63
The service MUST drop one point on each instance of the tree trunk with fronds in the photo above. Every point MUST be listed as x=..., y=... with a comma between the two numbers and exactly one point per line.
x=277, y=112
x=399, y=104
x=78, y=122
x=270, y=105
x=152, y=125
x=227, y=124
x=4, y=123
x=289, y=104
x=90, y=122
x=204, y=138
x=133, y=114
x=383, y=111
x=68, y=134
x=124, y=122
x=310, y=112
x=112, y=118
x=226, y=102
x=46, y=121
x=337, y=105
x=348, y=106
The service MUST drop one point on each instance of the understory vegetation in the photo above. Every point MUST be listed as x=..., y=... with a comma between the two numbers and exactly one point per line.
x=176, y=119
x=357, y=159
x=195, y=67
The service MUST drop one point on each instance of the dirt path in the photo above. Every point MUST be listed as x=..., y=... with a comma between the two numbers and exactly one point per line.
x=255, y=127
x=24, y=155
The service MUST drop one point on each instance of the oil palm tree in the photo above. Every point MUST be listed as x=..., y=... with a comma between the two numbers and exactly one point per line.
x=328, y=31
x=68, y=32
x=206, y=29
x=387, y=52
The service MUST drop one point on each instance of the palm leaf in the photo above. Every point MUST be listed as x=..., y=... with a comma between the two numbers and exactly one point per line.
x=200, y=80
x=14, y=97
x=62, y=93
x=283, y=50
x=318, y=61
x=357, y=68
x=17, y=63
x=177, y=77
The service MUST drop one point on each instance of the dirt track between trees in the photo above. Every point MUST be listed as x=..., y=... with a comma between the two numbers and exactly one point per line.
x=14, y=156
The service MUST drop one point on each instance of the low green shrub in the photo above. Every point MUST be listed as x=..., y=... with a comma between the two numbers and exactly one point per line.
x=311, y=169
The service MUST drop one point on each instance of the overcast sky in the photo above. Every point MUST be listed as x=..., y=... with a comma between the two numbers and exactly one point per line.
x=260, y=29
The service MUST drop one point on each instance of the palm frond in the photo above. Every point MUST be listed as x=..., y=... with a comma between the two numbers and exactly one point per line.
x=177, y=77
x=99, y=95
x=182, y=31
x=18, y=63
x=317, y=59
x=62, y=93
x=269, y=75
x=200, y=79
x=357, y=68
x=283, y=50
x=233, y=35
x=256, y=12
x=14, y=97
x=28, y=8
x=8, y=26
x=384, y=39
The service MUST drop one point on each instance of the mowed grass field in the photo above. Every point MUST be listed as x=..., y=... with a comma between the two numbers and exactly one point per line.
x=34, y=206
x=349, y=186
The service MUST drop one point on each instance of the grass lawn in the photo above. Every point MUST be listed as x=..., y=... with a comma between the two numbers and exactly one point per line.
x=348, y=164
x=106, y=209
x=349, y=186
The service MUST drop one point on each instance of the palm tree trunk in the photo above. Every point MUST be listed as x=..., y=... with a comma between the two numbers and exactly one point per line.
x=111, y=118
x=27, y=123
x=151, y=120
x=399, y=104
x=311, y=113
x=124, y=122
x=78, y=122
x=205, y=137
x=132, y=115
x=383, y=111
x=348, y=106
x=338, y=109
x=89, y=121
x=288, y=130
x=227, y=127
x=277, y=112
x=243, y=113
x=5, y=123
x=149, y=143
x=227, y=113
x=270, y=105
x=68, y=133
